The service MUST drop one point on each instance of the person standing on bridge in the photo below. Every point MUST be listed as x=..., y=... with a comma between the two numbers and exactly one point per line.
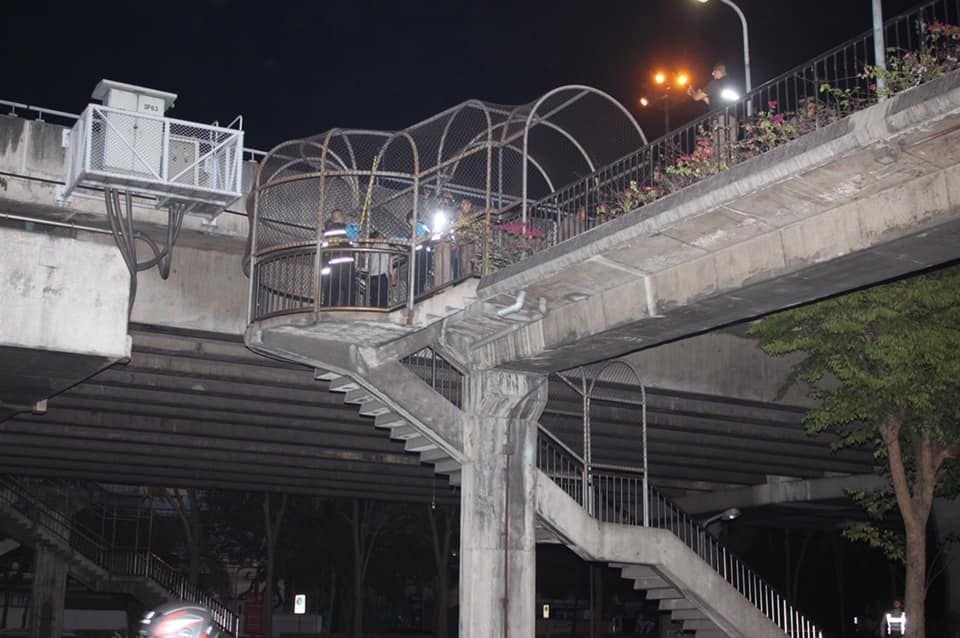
x=721, y=96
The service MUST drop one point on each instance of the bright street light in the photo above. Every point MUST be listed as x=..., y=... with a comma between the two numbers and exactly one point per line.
x=660, y=77
x=727, y=514
x=682, y=79
x=746, y=40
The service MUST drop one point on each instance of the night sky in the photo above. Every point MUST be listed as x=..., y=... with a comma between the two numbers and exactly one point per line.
x=298, y=68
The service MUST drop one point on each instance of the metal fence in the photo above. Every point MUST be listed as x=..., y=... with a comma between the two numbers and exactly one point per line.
x=615, y=494
x=438, y=373
x=66, y=533
x=173, y=160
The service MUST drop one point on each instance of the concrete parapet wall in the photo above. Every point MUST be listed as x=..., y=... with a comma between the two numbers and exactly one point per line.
x=62, y=294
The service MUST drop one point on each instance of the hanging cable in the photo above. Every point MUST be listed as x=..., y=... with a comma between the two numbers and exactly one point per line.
x=126, y=236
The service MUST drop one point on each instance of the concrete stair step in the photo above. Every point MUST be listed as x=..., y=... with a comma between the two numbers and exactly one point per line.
x=710, y=633
x=671, y=604
x=388, y=420
x=636, y=571
x=374, y=408
x=652, y=582
x=404, y=432
x=419, y=444
x=325, y=375
x=343, y=384
x=358, y=396
x=662, y=593
x=446, y=467
x=687, y=614
x=434, y=455
x=699, y=625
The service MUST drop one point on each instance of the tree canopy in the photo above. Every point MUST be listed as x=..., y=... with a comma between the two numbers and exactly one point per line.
x=883, y=365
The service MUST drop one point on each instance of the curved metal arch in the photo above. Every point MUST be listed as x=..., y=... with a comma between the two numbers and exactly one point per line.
x=506, y=141
x=453, y=116
x=588, y=396
x=584, y=90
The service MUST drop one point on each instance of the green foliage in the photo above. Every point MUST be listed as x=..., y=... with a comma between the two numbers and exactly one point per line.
x=938, y=54
x=632, y=198
x=885, y=352
x=877, y=506
x=871, y=354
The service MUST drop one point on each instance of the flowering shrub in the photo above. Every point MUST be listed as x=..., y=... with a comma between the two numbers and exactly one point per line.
x=766, y=130
x=939, y=53
x=513, y=241
x=633, y=197
x=699, y=163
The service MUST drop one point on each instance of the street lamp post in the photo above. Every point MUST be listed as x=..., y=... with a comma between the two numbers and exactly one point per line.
x=664, y=86
x=746, y=41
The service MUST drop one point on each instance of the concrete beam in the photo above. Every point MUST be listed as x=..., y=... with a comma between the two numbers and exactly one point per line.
x=780, y=491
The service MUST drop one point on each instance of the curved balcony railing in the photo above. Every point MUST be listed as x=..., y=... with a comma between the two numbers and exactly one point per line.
x=614, y=494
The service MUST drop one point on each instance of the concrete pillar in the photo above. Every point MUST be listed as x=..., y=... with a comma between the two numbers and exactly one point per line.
x=497, y=540
x=45, y=617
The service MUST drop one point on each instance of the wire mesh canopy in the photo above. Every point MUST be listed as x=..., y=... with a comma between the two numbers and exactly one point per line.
x=471, y=157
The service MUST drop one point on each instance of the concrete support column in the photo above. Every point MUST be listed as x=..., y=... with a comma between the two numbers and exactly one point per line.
x=47, y=596
x=497, y=540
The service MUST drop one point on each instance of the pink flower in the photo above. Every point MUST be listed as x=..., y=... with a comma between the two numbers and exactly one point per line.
x=772, y=104
x=872, y=87
x=778, y=118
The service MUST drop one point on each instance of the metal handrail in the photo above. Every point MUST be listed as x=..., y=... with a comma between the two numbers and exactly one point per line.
x=40, y=111
x=614, y=494
x=117, y=563
x=438, y=372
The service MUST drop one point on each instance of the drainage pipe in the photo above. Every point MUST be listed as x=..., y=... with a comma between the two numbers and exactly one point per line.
x=515, y=306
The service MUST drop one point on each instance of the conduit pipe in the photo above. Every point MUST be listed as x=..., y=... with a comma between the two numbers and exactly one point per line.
x=516, y=306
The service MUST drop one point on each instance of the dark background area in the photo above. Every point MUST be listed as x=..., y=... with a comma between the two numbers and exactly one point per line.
x=298, y=68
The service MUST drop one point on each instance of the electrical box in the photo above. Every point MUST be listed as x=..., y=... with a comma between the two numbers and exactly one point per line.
x=133, y=134
x=128, y=143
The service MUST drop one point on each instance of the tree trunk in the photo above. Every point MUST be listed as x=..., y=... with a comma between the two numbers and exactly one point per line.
x=271, y=522
x=357, y=572
x=916, y=581
x=915, y=506
x=196, y=539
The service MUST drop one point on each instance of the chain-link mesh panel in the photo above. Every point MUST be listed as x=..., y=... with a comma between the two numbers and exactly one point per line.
x=180, y=162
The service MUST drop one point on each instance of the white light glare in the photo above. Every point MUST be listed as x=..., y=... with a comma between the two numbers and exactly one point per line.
x=729, y=95
x=325, y=270
x=440, y=222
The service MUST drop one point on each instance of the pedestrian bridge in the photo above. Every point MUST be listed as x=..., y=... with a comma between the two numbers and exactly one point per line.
x=564, y=250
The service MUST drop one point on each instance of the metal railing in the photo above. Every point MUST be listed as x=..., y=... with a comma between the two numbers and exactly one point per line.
x=438, y=373
x=615, y=494
x=69, y=535
x=13, y=108
x=353, y=275
x=168, y=158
